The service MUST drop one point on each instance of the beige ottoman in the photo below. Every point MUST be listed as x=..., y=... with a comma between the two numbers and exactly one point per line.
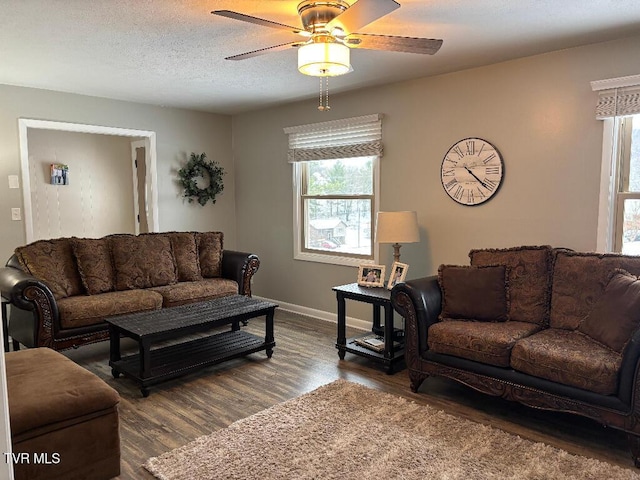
x=64, y=419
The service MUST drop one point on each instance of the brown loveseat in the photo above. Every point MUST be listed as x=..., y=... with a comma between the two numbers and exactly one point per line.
x=62, y=289
x=550, y=328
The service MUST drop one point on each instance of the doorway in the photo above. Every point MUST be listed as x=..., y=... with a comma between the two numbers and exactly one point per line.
x=145, y=183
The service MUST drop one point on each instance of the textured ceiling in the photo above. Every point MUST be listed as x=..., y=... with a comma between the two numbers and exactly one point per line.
x=171, y=52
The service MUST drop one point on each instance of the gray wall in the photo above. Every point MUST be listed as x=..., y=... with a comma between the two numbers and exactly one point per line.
x=179, y=132
x=538, y=111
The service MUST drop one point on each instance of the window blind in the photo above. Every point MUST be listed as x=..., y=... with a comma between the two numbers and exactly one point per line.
x=617, y=97
x=346, y=138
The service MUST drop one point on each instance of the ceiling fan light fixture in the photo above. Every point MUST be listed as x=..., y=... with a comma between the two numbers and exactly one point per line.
x=324, y=59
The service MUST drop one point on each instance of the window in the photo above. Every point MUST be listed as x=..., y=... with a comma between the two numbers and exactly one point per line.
x=619, y=214
x=627, y=201
x=336, y=167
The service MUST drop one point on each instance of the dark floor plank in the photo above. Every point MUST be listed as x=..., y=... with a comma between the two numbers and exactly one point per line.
x=305, y=358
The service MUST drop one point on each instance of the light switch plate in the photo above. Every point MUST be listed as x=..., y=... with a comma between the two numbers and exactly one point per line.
x=15, y=214
x=13, y=181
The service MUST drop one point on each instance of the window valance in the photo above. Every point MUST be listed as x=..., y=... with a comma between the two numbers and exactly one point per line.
x=617, y=97
x=346, y=138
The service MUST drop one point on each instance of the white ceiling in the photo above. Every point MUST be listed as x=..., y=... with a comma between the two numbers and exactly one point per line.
x=171, y=52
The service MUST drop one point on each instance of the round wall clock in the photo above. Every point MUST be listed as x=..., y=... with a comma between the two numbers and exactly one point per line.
x=472, y=171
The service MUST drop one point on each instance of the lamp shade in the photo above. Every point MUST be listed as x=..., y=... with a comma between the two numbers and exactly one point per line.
x=324, y=59
x=397, y=227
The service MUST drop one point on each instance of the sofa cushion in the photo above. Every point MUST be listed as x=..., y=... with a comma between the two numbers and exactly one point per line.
x=486, y=342
x=85, y=310
x=474, y=293
x=189, y=292
x=142, y=261
x=47, y=388
x=52, y=261
x=95, y=265
x=579, y=279
x=529, y=279
x=616, y=314
x=185, y=252
x=570, y=358
x=210, y=253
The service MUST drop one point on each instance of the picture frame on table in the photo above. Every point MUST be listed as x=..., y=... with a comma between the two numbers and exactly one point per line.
x=398, y=274
x=371, y=275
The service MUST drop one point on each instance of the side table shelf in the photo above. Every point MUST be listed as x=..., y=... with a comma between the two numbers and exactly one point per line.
x=380, y=298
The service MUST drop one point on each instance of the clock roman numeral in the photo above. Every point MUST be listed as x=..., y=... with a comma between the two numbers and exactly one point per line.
x=470, y=196
x=454, y=162
x=480, y=193
x=458, y=151
x=489, y=158
x=471, y=147
x=491, y=184
x=492, y=171
x=481, y=148
x=448, y=173
x=450, y=184
x=458, y=193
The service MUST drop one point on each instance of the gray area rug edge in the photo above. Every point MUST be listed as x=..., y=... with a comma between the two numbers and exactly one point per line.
x=347, y=430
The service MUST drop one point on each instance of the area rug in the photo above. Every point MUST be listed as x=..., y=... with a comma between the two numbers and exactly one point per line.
x=347, y=431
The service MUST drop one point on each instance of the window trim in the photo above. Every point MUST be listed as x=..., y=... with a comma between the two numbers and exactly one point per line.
x=299, y=253
x=614, y=180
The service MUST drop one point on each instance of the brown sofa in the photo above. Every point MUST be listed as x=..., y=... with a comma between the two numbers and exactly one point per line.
x=61, y=290
x=72, y=431
x=550, y=328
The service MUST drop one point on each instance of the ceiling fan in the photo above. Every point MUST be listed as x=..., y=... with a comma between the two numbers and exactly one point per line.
x=329, y=32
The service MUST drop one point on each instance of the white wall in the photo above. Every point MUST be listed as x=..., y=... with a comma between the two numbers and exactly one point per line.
x=538, y=111
x=99, y=197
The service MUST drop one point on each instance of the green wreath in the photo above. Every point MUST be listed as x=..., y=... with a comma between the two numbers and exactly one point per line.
x=197, y=167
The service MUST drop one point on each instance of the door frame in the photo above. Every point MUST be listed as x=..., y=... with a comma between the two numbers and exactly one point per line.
x=149, y=138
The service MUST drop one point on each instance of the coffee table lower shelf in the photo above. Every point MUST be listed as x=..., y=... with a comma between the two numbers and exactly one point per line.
x=182, y=358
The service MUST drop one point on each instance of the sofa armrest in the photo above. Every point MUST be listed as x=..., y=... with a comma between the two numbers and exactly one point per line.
x=419, y=302
x=629, y=374
x=34, y=313
x=241, y=267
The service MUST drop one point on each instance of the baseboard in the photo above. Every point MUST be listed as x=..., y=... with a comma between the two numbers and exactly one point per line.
x=319, y=314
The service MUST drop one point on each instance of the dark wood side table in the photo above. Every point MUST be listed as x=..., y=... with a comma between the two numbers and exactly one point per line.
x=380, y=298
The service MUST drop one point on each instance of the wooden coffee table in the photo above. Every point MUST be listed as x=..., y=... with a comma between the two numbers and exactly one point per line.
x=154, y=365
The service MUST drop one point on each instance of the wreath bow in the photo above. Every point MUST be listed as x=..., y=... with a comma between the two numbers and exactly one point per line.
x=198, y=166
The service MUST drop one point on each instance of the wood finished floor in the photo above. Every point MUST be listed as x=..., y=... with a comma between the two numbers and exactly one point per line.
x=305, y=358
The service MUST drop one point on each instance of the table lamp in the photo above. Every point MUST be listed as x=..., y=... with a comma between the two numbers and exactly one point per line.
x=397, y=228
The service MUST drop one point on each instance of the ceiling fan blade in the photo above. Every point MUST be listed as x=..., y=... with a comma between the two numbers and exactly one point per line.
x=361, y=13
x=262, y=51
x=427, y=46
x=255, y=20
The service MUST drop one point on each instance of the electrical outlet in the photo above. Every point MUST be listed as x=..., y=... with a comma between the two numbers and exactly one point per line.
x=15, y=214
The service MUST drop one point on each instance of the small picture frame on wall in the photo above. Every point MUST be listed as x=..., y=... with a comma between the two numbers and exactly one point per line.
x=398, y=274
x=59, y=174
x=371, y=275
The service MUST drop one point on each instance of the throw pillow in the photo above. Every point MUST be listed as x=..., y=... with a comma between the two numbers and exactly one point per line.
x=210, y=253
x=616, y=314
x=52, y=261
x=185, y=252
x=474, y=292
x=142, y=261
x=529, y=279
x=95, y=265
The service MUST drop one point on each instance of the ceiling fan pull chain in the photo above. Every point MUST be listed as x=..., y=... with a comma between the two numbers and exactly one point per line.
x=326, y=103
x=323, y=104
